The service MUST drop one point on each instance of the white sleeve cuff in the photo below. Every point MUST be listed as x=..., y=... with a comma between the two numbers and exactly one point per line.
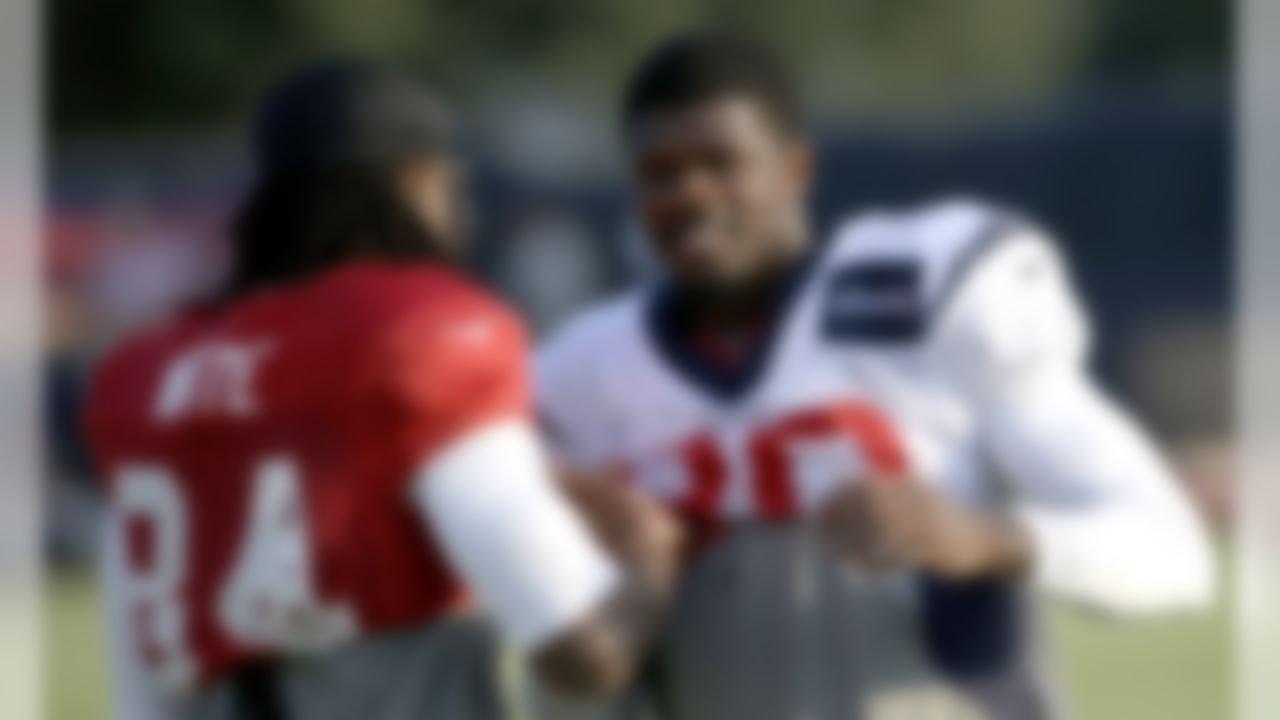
x=1111, y=527
x=511, y=535
x=1120, y=562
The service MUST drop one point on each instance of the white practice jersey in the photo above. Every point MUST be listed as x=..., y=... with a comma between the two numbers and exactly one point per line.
x=945, y=344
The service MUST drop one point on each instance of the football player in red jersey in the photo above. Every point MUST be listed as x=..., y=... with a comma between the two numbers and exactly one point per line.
x=309, y=477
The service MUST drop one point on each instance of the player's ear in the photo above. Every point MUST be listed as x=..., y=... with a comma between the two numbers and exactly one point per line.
x=431, y=189
x=800, y=164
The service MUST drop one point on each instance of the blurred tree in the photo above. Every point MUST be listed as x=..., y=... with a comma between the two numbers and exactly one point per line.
x=1146, y=37
x=153, y=63
x=150, y=62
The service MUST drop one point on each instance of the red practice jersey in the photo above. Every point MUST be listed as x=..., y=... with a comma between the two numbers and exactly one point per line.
x=258, y=458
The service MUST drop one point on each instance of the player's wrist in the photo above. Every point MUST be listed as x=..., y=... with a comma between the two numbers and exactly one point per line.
x=1001, y=547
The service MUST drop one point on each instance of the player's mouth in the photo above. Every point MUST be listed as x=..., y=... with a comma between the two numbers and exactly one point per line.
x=698, y=242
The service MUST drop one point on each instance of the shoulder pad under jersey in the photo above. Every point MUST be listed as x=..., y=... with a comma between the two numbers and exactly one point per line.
x=887, y=276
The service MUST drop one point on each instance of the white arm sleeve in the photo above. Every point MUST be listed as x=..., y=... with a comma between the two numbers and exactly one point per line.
x=491, y=503
x=134, y=695
x=1111, y=527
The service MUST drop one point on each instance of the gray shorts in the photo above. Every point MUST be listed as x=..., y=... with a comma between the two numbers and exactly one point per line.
x=447, y=671
x=767, y=626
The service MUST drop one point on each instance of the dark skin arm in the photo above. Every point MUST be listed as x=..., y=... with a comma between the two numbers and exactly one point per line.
x=598, y=656
x=885, y=523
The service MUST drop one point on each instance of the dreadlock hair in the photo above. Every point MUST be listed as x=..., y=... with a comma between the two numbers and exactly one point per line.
x=295, y=224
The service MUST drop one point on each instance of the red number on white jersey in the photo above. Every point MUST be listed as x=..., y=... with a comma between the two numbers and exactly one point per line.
x=792, y=461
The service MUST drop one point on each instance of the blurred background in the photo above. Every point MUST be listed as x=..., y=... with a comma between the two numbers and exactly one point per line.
x=1108, y=121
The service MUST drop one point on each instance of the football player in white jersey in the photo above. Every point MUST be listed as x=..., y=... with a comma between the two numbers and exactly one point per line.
x=885, y=440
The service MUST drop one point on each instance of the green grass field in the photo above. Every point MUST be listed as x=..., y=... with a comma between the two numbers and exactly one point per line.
x=1166, y=670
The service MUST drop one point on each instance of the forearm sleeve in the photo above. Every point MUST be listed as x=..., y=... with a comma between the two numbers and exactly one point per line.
x=1110, y=525
x=511, y=535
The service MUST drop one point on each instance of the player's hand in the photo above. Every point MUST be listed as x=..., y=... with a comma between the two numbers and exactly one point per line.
x=599, y=656
x=634, y=528
x=885, y=523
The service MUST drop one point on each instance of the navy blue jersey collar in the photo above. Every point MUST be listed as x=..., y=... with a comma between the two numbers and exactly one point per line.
x=725, y=384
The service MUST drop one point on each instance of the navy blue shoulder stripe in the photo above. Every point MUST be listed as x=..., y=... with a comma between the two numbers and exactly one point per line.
x=990, y=235
x=882, y=300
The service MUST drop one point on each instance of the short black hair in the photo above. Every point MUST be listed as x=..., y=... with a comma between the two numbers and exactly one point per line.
x=709, y=65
